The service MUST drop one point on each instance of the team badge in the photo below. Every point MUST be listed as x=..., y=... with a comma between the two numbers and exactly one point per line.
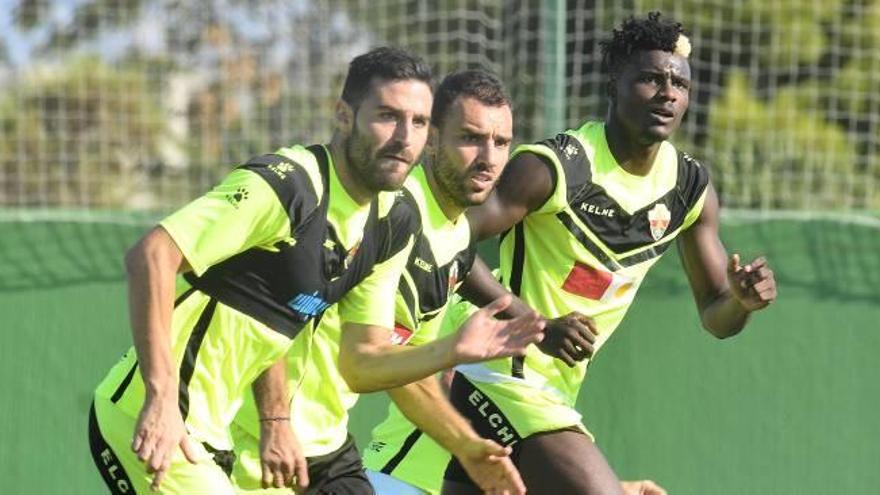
x=658, y=219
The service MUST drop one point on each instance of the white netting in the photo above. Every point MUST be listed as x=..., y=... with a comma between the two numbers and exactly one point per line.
x=140, y=105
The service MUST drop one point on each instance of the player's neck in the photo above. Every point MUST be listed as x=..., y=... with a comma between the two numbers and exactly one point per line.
x=450, y=208
x=355, y=189
x=635, y=157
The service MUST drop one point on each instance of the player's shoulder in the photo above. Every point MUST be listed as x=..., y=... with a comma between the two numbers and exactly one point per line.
x=295, y=169
x=692, y=174
x=401, y=210
x=296, y=174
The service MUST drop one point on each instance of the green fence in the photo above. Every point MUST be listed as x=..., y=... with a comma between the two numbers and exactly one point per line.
x=788, y=407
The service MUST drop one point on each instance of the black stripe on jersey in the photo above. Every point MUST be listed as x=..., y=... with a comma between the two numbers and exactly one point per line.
x=585, y=241
x=124, y=383
x=402, y=222
x=609, y=263
x=411, y=440
x=516, y=273
x=182, y=297
x=190, y=354
x=647, y=254
x=621, y=231
x=573, y=158
x=106, y=461
x=291, y=182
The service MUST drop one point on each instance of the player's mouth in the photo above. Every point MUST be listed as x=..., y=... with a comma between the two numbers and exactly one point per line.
x=398, y=158
x=482, y=180
x=663, y=115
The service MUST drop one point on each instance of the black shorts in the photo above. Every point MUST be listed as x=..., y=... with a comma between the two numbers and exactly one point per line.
x=487, y=420
x=339, y=473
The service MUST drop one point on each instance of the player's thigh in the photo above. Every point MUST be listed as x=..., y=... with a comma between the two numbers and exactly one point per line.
x=120, y=467
x=565, y=461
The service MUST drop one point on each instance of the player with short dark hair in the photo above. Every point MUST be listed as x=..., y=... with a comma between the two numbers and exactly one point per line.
x=583, y=216
x=467, y=148
x=265, y=253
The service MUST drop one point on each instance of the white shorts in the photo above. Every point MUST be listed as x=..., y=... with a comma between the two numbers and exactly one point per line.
x=389, y=485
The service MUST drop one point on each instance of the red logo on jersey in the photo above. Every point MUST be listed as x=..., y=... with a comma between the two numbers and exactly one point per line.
x=400, y=335
x=587, y=281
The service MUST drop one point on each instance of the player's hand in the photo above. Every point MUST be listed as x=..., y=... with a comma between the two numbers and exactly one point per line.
x=482, y=337
x=281, y=457
x=570, y=338
x=157, y=433
x=642, y=487
x=753, y=284
x=489, y=466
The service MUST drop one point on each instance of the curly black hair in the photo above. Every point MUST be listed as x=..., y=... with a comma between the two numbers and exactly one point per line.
x=639, y=34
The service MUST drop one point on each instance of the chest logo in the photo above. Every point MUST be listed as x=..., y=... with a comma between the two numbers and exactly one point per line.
x=658, y=220
x=424, y=265
x=600, y=211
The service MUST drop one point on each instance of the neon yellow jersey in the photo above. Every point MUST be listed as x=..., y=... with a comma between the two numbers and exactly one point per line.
x=247, y=241
x=589, y=247
x=440, y=258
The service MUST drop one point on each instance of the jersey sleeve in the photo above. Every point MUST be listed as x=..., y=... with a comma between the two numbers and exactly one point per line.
x=241, y=212
x=372, y=301
x=428, y=330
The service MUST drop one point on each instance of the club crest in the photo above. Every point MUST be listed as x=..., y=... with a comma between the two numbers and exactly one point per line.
x=658, y=220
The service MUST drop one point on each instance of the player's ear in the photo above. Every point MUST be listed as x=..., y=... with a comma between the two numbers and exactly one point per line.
x=344, y=117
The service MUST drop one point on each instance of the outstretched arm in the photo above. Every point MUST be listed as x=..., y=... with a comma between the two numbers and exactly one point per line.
x=570, y=338
x=152, y=266
x=725, y=291
x=368, y=361
x=486, y=462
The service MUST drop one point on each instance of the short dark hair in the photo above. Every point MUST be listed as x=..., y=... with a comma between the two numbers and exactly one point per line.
x=639, y=34
x=387, y=63
x=480, y=84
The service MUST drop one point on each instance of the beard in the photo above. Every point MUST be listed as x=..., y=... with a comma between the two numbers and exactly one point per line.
x=454, y=182
x=370, y=166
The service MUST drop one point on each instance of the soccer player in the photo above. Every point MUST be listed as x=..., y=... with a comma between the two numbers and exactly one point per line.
x=264, y=253
x=583, y=217
x=468, y=146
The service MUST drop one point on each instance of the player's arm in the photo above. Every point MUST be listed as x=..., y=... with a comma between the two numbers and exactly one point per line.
x=569, y=338
x=424, y=403
x=195, y=237
x=524, y=186
x=152, y=266
x=281, y=456
x=725, y=291
x=368, y=361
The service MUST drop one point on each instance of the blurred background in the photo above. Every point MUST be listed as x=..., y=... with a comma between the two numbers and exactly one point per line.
x=114, y=112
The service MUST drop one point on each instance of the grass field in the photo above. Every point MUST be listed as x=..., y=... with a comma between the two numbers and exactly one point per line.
x=786, y=408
